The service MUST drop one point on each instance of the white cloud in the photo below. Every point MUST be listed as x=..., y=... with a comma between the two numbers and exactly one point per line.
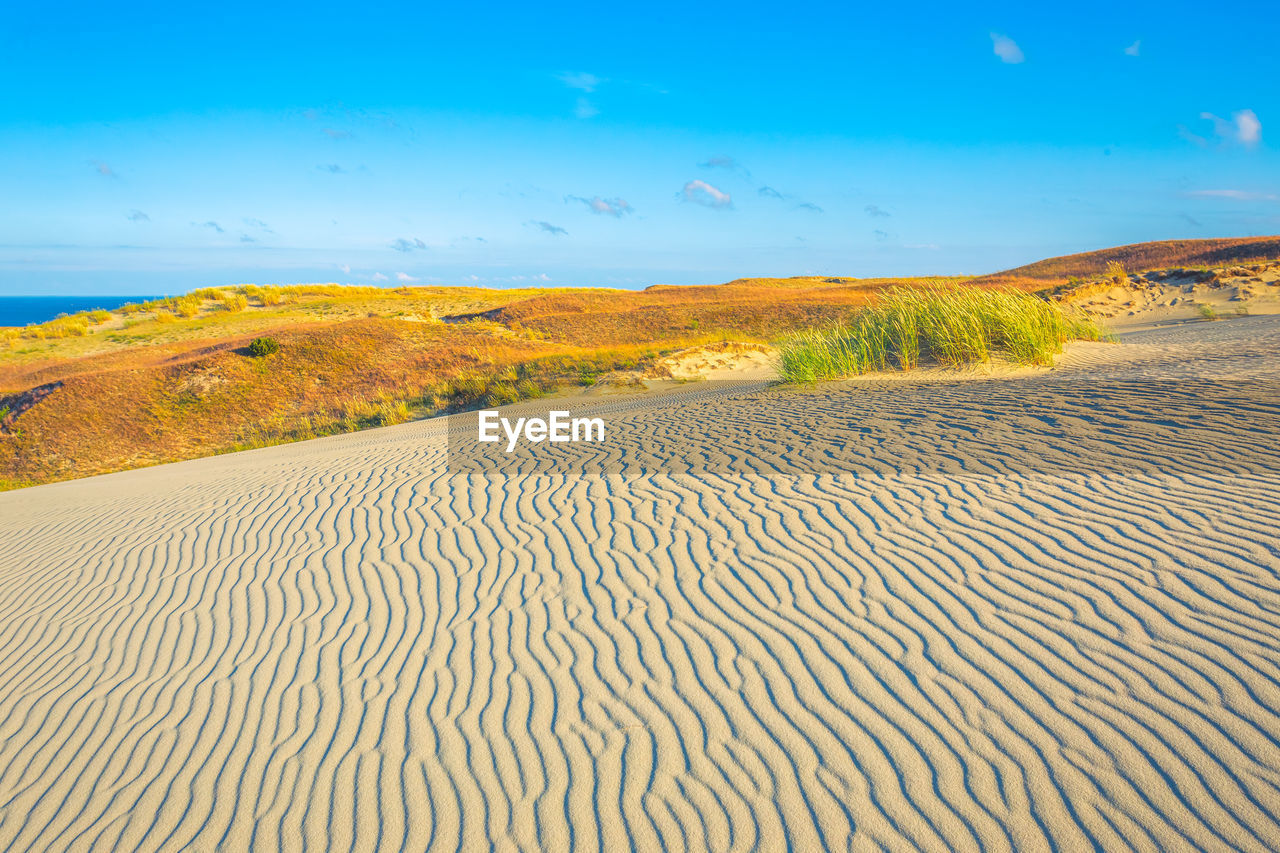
x=1248, y=128
x=379, y=277
x=1006, y=48
x=404, y=276
x=701, y=192
x=1133, y=49
x=346, y=268
x=585, y=109
x=1243, y=128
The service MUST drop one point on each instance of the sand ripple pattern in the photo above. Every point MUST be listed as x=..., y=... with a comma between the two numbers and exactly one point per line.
x=346, y=644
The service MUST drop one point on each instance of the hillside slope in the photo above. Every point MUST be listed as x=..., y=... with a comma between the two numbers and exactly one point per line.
x=173, y=379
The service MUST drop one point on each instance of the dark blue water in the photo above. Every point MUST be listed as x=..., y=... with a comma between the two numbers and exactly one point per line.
x=24, y=310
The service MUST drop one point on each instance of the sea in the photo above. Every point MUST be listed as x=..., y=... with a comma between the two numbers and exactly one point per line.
x=25, y=310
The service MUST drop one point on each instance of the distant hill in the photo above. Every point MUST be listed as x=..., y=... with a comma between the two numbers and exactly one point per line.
x=170, y=379
x=1164, y=254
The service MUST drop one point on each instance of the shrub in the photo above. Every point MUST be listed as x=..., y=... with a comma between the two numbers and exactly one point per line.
x=270, y=296
x=1207, y=311
x=233, y=302
x=187, y=306
x=261, y=347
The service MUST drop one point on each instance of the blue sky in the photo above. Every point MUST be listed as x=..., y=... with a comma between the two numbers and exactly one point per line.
x=153, y=148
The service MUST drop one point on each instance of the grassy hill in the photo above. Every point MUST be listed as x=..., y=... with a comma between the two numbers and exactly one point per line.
x=174, y=379
x=1140, y=257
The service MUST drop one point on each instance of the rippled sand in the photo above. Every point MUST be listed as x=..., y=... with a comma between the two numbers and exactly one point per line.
x=1037, y=612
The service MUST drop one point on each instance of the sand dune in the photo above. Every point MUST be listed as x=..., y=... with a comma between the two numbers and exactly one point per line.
x=1035, y=613
x=1164, y=296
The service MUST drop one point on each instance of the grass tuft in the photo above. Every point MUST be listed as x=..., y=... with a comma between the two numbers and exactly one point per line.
x=942, y=325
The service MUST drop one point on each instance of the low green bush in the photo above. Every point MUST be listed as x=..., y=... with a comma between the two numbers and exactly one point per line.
x=260, y=347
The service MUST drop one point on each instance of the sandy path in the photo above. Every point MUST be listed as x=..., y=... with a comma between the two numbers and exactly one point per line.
x=1035, y=613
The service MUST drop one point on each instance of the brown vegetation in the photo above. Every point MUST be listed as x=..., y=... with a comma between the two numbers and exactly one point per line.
x=174, y=378
x=1141, y=257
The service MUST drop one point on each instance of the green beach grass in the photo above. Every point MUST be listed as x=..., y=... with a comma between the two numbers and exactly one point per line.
x=948, y=326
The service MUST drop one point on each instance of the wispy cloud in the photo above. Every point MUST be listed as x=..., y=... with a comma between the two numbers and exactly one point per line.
x=1189, y=219
x=346, y=268
x=727, y=163
x=1007, y=49
x=1243, y=128
x=245, y=238
x=881, y=235
x=586, y=83
x=333, y=133
x=405, y=277
x=615, y=207
x=137, y=216
x=257, y=223
x=1236, y=195
x=210, y=224
x=331, y=168
x=1133, y=49
x=380, y=277
x=770, y=192
x=102, y=168
x=580, y=80
x=703, y=193
x=402, y=244
x=876, y=211
x=547, y=227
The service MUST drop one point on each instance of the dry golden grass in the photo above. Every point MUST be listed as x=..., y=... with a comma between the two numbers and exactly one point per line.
x=172, y=378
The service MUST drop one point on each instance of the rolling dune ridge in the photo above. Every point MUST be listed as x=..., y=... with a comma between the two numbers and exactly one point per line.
x=1037, y=613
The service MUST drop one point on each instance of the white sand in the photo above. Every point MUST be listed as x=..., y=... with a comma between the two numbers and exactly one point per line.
x=1171, y=296
x=1039, y=613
